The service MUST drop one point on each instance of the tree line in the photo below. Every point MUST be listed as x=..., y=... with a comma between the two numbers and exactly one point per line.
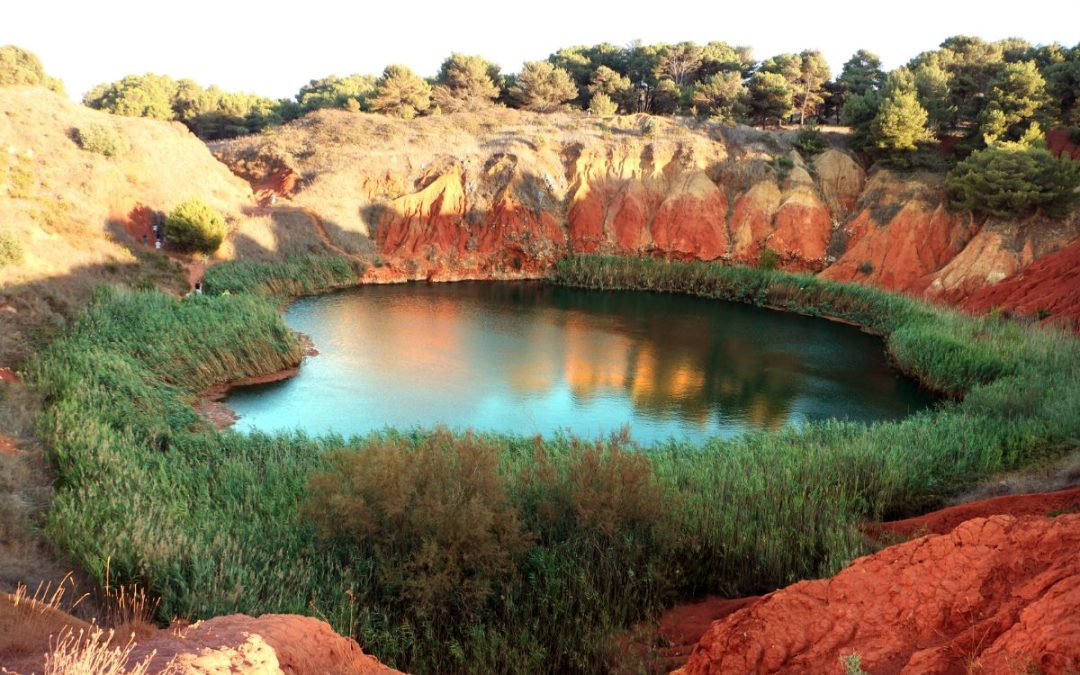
x=967, y=96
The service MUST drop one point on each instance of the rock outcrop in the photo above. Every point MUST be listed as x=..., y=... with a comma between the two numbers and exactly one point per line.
x=1048, y=289
x=995, y=595
x=901, y=235
x=271, y=644
x=505, y=194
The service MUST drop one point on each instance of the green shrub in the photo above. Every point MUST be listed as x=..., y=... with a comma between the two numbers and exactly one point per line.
x=11, y=250
x=195, y=226
x=769, y=260
x=1015, y=179
x=866, y=268
x=810, y=141
x=102, y=138
x=602, y=105
x=433, y=517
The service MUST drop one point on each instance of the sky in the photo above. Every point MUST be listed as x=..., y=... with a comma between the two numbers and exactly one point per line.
x=273, y=48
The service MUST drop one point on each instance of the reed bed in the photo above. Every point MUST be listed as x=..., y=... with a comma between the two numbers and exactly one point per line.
x=522, y=554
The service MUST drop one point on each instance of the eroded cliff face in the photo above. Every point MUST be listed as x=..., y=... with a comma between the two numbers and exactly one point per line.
x=505, y=194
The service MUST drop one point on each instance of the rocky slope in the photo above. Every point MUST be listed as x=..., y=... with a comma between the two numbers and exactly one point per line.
x=506, y=193
x=995, y=595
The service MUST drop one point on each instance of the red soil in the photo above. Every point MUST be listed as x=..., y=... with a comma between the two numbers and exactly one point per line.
x=272, y=643
x=683, y=626
x=7, y=446
x=139, y=224
x=1051, y=283
x=946, y=520
x=7, y=376
x=281, y=182
x=996, y=595
x=1060, y=143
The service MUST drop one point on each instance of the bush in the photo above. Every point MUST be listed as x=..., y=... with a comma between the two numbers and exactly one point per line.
x=195, y=226
x=810, y=141
x=1015, y=179
x=602, y=105
x=769, y=260
x=11, y=250
x=103, y=139
x=434, y=518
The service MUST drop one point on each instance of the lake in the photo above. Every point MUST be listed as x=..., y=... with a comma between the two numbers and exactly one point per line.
x=533, y=358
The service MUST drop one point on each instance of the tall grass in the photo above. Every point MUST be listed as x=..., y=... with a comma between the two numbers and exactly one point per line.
x=603, y=533
x=301, y=275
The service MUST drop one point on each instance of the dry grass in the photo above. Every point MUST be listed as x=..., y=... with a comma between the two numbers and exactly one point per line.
x=93, y=652
x=28, y=621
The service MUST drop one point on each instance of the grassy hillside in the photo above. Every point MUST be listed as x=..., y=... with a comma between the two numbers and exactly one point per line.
x=66, y=212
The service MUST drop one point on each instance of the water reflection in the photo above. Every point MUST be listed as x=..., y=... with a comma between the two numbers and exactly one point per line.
x=531, y=358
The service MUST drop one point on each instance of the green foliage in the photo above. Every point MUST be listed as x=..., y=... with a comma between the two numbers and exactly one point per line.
x=809, y=141
x=542, y=87
x=19, y=67
x=11, y=250
x=900, y=123
x=102, y=138
x=769, y=260
x=615, y=86
x=602, y=105
x=209, y=113
x=852, y=664
x=194, y=225
x=664, y=98
x=932, y=88
x=465, y=83
x=400, y=92
x=147, y=95
x=1015, y=179
x=336, y=92
x=679, y=63
x=723, y=96
x=771, y=98
x=1016, y=95
x=433, y=517
x=861, y=74
x=292, y=277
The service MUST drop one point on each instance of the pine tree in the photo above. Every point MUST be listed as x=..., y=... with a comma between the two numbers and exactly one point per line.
x=401, y=93
x=542, y=87
x=900, y=123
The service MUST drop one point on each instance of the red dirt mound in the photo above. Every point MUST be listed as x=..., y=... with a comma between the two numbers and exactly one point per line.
x=1049, y=285
x=7, y=376
x=996, y=595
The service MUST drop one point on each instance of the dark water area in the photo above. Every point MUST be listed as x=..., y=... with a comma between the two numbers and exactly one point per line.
x=531, y=358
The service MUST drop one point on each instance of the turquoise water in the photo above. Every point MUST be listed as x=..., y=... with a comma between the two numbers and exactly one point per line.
x=531, y=358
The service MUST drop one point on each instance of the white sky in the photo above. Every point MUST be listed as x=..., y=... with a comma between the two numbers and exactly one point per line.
x=273, y=48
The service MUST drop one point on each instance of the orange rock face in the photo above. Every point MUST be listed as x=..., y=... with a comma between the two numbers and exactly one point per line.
x=273, y=644
x=898, y=245
x=996, y=595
